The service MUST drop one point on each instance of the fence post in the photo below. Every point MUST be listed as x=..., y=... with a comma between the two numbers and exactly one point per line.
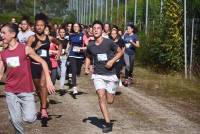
x=185, y=40
x=117, y=12
x=146, y=17
x=125, y=17
x=191, y=49
x=135, y=12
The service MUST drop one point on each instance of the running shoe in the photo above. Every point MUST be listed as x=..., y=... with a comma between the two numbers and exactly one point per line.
x=107, y=128
x=120, y=83
x=126, y=83
x=130, y=80
x=75, y=91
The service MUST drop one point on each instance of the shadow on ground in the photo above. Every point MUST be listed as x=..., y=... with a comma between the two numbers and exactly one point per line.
x=118, y=93
x=44, y=121
x=2, y=96
x=2, y=83
x=96, y=121
x=53, y=102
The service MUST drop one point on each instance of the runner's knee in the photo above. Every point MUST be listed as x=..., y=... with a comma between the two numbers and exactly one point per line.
x=30, y=118
x=110, y=101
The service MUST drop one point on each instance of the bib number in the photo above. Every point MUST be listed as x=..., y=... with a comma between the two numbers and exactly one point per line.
x=13, y=62
x=42, y=53
x=128, y=45
x=76, y=49
x=102, y=57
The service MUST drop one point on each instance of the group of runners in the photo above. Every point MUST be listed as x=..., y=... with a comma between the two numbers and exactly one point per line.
x=34, y=57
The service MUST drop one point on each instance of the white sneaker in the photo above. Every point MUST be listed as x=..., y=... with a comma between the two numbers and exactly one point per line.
x=75, y=90
x=120, y=83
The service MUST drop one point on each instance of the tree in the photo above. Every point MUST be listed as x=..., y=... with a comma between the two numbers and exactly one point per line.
x=171, y=55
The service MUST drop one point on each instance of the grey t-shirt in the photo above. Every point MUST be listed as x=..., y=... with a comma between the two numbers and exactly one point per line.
x=101, y=54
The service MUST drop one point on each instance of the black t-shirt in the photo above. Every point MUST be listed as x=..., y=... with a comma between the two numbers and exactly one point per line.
x=101, y=54
x=120, y=43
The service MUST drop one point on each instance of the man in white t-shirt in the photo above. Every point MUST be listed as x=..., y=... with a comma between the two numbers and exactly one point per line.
x=25, y=32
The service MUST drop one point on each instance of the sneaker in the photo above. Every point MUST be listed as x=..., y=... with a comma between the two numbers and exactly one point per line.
x=130, y=79
x=120, y=83
x=107, y=128
x=125, y=83
x=75, y=90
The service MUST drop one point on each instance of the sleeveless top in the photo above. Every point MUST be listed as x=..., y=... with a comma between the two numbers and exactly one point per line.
x=43, y=51
x=18, y=71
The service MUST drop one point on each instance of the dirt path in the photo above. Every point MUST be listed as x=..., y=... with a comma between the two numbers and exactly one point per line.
x=133, y=113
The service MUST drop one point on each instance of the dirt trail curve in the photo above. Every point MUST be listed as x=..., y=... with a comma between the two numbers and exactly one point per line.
x=133, y=113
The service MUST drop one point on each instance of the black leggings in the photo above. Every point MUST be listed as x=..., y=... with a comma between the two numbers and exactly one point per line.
x=118, y=67
x=75, y=68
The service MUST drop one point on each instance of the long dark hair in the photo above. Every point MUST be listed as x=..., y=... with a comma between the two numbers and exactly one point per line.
x=78, y=25
x=133, y=27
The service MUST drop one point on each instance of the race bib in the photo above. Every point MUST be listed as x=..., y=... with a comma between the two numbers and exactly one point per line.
x=128, y=45
x=102, y=57
x=13, y=62
x=42, y=53
x=67, y=37
x=76, y=49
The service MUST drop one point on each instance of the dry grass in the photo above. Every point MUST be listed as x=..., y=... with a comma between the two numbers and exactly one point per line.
x=173, y=89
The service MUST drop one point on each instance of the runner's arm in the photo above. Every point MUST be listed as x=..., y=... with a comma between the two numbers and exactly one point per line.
x=31, y=53
x=136, y=44
x=117, y=56
x=87, y=65
x=2, y=68
x=87, y=61
x=30, y=40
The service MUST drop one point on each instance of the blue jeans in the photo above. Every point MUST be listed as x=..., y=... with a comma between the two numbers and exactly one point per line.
x=21, y=108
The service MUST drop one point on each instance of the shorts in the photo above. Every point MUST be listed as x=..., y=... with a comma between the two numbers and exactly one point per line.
x=109, y=85
x=36, y=71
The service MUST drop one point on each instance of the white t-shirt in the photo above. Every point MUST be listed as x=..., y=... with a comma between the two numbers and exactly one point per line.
x=23, y=36
x=105, y=35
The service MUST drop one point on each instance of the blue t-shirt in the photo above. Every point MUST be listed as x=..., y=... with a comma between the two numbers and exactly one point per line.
x=76, y=41
x=129, y=47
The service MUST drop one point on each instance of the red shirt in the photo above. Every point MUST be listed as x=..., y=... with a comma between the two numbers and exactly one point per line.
x=18, y=71
x=53, y=59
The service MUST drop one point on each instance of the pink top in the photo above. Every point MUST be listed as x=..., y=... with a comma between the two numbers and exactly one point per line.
x=18, y=71
x=53, y=59
x=85, y=40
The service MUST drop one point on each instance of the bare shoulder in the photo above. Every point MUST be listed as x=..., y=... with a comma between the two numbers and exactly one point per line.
x=51, y=37
x=31, y=39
